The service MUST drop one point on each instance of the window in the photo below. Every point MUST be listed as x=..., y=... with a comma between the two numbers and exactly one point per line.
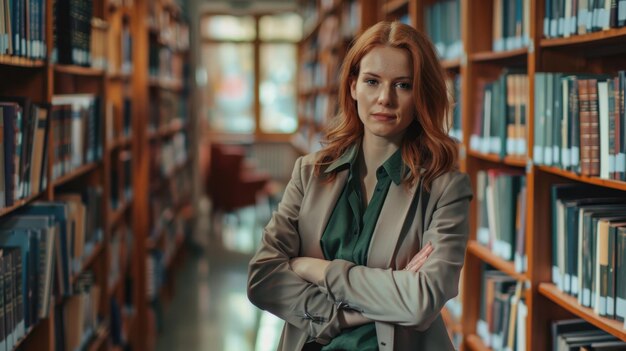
x=251, y=76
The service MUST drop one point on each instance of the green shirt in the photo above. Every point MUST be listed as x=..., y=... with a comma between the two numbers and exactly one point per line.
x=349, y=231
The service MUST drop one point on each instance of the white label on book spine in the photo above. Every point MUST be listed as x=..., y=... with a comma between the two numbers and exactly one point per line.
x=521, y=147
x=547, y=156
x=620, y=307
x=538, y=154
x=602, y=307
x=483, y=236
x=482, y=329
x=555, y=154
x=611, y=163
x=573, y=23
x=620, y=161
x=519, y=264
x=574, y=290
x=586, y=297
x=621, y=10
x=507, y=251
x=583, y=15
x=475, y=142
x=575, y=156
x=596, y=298
x=511, y=146
x=610, y=306
x=565, y=159
x=567, y=283
x=556, y=276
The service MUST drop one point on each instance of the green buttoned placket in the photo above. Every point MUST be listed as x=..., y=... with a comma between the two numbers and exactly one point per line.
x=349, y=231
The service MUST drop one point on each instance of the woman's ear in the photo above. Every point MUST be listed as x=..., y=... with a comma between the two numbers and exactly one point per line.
x=353, y=88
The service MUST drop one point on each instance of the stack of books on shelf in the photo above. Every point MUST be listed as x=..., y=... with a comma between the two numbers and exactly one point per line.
x=568, y=18
x=443, y=26
x=23, y=29
x=577, y=334
x=511, y=24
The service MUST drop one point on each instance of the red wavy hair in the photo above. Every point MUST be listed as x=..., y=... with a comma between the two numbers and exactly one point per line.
x=426, y=143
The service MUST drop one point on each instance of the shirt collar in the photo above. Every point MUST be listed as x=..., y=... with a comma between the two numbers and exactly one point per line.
x=393, y=165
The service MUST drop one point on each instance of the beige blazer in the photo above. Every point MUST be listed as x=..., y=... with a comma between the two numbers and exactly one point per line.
x=405, y=305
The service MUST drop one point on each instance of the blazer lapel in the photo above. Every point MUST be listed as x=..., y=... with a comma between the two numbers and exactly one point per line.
x=390, y=225
x=319, y=207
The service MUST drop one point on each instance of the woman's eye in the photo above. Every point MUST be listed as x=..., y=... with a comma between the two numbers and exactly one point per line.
x=370, y=81
x=404, y=86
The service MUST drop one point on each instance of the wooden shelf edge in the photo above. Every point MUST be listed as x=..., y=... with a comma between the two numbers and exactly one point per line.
x=18, y=61
x=594, y=37
x=394, y=6
x=608, y=183
x=451, y=64
x=18, y=204
x=115, y=216
x=487, y=256
x=514, y=161
x=498, y=55
x=475, y=343
x=570, y=303
x=97, y=250
x=79, y=70
x=84, y=169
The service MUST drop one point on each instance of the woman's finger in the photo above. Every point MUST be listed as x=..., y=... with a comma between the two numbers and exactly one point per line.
x=425, y=251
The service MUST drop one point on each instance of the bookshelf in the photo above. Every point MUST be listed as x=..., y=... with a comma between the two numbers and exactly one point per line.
x=109, y=167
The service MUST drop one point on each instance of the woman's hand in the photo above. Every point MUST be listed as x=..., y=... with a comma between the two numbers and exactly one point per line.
x=309, y=269
x=420, y=258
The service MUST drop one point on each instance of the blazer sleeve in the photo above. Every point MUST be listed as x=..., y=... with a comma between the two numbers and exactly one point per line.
x=274, y=287
x=406, y=298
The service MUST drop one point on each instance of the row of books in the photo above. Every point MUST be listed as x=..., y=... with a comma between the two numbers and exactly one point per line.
x=580, y=123
x=171, y=32
x=23, y=28
x=578, y=334
x=168, y=109
x=23, y=145
x=503, y=311
x=511, y=24
x=318, y=108
x=42, y=247
x=76, y=132
x=443, y=25
x=315, y=74
x=164, y=64
x=76, y=321
x=589, y=247
x=564, y=18
x=455, y=127
x=119, y=119
x=500, y=123
x=72, y=32
x=121, y=180
x=99, y=44
x=120, y=249
x=501, y=203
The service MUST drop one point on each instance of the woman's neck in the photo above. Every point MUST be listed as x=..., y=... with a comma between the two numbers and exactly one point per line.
x=375, y=151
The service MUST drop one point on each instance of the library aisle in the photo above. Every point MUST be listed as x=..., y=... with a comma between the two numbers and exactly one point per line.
x=210, y=309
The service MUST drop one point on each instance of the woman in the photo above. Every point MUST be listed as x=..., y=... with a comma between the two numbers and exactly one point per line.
x=369, y=239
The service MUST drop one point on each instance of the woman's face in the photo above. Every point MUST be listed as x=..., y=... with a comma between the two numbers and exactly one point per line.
x=383, y=91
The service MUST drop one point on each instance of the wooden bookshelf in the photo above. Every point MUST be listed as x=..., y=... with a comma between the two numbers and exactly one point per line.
x=487, y=256
x=78, y=70
x=607, y=183
x=513, y=161
x=487, y=56
x=20, y=61
x=474, y=343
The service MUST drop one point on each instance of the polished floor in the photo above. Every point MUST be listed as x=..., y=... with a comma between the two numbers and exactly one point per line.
x=210, y=310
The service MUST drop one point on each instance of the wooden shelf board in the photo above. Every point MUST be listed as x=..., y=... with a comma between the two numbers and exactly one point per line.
x=118, y=76
x=115, y=216
x=17, y=61
x=475, y=343
x=514, y=161
x=27, y=333
x=97, y=250
x=166, y=84
x=394, y=6
x=121, y=142
x=84, y=169
x=330, y=89
x=595, y=38
x=499, y=55
x=570, y=303
x=608, y=183
x=168, y=130
x=18, y=204
x=102, y=334
x=487, y=256
x=79, y=70
x=452, y=64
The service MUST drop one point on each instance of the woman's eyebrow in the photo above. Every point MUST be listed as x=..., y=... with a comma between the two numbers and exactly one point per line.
x=377, y=76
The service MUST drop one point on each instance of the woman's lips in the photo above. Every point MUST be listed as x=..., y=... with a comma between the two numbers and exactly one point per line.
x=384, y=117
